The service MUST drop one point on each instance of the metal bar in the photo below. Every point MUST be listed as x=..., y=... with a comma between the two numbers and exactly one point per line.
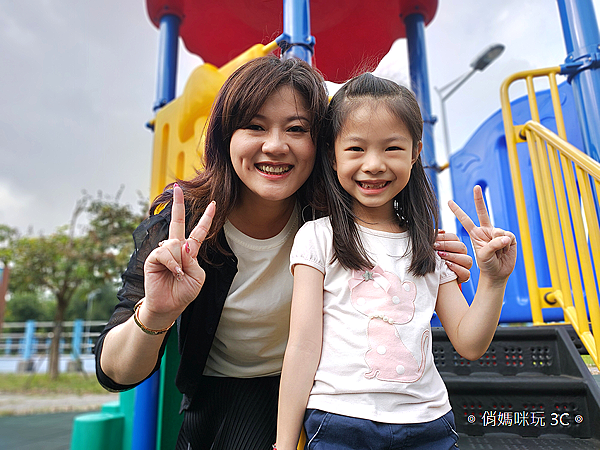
x=513, y=157
x=419, y=77
x=296, y=30
x=168, y=48
x=582, y=41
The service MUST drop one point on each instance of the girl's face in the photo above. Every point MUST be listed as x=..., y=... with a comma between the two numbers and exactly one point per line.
x=275, y=154
x=373, y=160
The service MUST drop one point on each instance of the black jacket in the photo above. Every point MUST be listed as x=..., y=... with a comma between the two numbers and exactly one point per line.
x=196, y=325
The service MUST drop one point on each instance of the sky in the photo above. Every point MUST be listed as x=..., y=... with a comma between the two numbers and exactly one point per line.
x=77, y=85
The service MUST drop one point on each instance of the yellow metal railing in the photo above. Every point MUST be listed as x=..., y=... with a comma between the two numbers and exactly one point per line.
x=567, y=183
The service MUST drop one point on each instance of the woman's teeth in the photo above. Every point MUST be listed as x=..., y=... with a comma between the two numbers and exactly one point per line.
x=275, y=170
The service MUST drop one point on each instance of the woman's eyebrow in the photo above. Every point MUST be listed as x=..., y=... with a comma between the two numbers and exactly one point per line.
x=290, y=118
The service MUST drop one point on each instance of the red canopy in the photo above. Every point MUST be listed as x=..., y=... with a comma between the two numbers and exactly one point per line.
x=351, y=35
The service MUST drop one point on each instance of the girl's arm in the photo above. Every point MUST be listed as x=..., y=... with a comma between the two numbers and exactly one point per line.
x=302, y=354
x=471, y=329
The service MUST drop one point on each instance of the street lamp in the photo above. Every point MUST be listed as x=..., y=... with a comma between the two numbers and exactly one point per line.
x=484, y=59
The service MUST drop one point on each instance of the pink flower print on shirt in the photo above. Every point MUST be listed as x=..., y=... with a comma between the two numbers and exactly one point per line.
x=387, y=301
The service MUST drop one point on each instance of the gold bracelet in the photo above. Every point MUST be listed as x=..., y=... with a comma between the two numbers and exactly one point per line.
x=143, y=327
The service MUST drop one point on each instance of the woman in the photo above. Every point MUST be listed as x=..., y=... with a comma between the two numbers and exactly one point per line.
x=227, y=285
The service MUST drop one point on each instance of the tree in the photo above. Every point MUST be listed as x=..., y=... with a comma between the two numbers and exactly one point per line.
x=75, y=259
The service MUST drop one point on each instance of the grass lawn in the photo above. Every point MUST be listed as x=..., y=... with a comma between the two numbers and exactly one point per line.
x=40, y=383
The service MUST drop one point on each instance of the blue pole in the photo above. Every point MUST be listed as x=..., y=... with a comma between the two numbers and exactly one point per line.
x=582, y=41
x=29, y=339
x=419, y=78
x=77, y=338
x=296, y=41
x=145, y=415
x=145, y=409
x=168, y=46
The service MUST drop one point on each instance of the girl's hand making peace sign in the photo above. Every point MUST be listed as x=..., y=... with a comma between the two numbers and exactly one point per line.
x=172, y=275
x=495, y=249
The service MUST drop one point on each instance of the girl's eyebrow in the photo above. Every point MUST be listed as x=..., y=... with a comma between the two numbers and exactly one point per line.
x=358, y=138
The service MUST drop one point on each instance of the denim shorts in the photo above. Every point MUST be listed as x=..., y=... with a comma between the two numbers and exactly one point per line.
x=328, y=431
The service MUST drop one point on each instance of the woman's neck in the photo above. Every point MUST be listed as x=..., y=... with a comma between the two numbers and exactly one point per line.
x=263, y=219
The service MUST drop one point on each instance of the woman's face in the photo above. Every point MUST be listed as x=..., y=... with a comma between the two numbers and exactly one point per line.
x=274, y=155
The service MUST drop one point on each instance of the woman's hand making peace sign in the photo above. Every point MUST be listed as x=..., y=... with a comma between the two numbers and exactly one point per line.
x=172, y=275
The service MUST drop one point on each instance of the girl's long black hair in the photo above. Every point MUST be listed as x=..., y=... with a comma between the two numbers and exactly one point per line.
x=417, y=207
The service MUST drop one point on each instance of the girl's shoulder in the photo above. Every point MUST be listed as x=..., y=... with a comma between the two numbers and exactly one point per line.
x=321, y=224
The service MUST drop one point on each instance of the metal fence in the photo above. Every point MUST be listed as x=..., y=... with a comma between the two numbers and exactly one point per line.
x=32, y=338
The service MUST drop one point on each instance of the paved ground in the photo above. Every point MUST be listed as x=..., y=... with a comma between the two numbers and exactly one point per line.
x=13, y=404
x=43, y=422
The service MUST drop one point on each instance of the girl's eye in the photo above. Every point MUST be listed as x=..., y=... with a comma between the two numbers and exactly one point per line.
x=389, y=149
x=355, y=149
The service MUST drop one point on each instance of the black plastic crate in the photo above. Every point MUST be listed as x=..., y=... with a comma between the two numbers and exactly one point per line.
x=531, y=382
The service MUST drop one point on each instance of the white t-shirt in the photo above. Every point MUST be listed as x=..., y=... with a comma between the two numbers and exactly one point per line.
x=254, y=325
x=376, y=362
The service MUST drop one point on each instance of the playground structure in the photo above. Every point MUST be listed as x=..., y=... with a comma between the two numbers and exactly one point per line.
x=537, y=160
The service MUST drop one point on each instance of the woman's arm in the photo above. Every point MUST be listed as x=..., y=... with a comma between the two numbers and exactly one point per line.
x=172, y=279
x=302, y=354
x=471, y=329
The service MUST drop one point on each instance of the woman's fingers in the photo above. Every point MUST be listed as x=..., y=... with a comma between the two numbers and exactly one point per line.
x=177, y=225
x=200, y=231
x=163, y=256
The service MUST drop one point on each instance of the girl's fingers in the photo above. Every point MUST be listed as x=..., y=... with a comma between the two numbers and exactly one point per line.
x=462, y=217
x=482, y=213
x=177, y=225
x=200, y=231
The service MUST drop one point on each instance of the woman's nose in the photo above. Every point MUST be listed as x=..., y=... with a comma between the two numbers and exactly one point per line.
x=275, y=142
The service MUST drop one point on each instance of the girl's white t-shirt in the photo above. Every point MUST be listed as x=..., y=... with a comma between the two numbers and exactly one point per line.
x=253, y=330
x=377, y=361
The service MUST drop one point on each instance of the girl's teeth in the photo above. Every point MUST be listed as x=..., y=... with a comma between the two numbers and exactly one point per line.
x=372, y=186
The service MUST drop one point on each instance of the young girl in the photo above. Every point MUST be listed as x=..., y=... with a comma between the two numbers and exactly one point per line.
x=366, y=284
x=227, y=285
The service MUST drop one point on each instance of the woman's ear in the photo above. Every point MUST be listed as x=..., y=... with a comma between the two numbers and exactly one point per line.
x=417, y=152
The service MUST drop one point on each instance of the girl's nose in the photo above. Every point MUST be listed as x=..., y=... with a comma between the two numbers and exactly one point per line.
x=373, y=163
x=275, y=143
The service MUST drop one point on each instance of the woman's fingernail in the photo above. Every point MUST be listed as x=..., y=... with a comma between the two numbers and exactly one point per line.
x=175, y=185
x=186, y=247
x=436, y=245
x=443, y=254
x=178, y=273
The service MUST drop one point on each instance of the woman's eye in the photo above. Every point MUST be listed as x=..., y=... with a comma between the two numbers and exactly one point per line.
x=298, y=129
x=254, y=127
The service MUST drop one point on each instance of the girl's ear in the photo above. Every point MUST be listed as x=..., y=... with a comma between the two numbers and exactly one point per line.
x=417, y=152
